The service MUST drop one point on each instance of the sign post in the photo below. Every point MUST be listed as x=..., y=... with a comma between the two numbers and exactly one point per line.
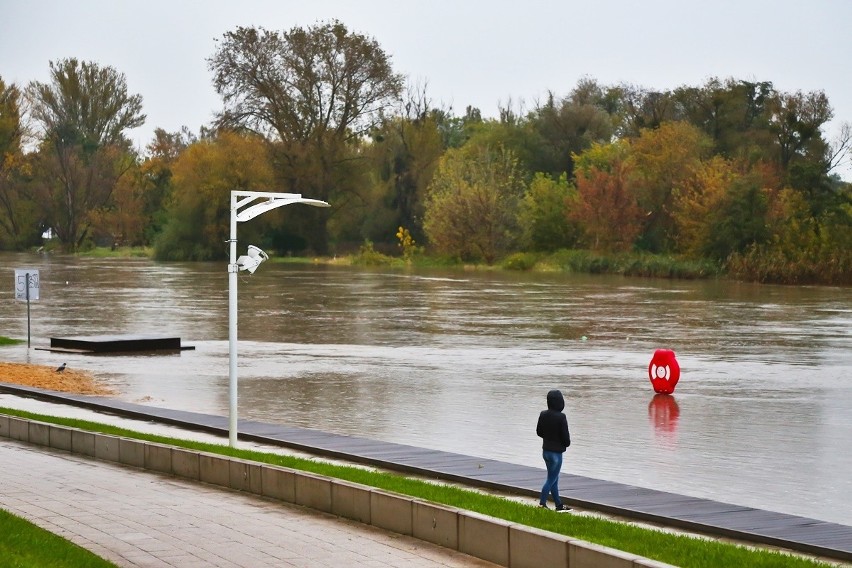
x=27, y=288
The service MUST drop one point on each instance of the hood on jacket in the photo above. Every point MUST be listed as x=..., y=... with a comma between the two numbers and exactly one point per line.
x=555, y=401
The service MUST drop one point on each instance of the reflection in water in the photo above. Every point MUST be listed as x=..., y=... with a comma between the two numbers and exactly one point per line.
x=461, y=361
x=664, y=412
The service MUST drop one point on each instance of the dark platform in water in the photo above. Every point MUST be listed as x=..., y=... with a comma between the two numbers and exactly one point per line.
x=115, y=344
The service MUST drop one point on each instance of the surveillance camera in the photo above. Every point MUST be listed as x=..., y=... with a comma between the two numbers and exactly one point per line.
x=252, y=259
x=255, y=252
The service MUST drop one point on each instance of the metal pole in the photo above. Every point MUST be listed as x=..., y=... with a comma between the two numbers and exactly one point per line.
x=273, y=200
x=28, y=309
x=232, y=327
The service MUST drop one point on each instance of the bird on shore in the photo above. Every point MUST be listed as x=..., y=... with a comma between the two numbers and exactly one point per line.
x=61, y=367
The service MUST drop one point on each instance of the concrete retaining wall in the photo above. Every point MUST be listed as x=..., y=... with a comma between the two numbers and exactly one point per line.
x=494, y=540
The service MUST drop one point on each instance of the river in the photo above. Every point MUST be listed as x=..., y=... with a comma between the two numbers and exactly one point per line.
x=461, y=361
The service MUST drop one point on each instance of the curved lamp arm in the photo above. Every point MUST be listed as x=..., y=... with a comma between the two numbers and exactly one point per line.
x=273, y=201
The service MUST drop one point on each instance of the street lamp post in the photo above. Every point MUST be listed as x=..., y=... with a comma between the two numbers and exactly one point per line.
x=244, y=207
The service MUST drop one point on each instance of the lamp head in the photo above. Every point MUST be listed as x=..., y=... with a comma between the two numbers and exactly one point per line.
x=252, y=259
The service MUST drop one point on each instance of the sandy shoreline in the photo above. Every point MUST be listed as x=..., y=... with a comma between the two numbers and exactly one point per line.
x=41, y=376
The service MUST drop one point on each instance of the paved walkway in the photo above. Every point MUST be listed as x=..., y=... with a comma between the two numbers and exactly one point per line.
x=714, y=518
x=139, y=519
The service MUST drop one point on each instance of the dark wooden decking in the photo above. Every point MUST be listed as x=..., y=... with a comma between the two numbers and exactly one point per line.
x=702, y=515
x=115, y=343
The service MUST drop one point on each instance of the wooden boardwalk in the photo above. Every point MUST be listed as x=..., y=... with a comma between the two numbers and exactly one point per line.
x=701, y=515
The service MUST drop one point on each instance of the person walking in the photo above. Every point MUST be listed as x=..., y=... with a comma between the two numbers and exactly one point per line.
x=553, y=429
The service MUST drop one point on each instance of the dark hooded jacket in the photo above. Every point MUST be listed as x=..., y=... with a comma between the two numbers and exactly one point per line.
x=553, y=425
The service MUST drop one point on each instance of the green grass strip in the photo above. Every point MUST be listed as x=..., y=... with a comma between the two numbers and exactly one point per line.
x=680, y=550
x=9, y=341
x=25, y=545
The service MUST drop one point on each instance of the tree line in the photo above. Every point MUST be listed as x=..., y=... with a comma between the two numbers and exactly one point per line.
x=731, y=171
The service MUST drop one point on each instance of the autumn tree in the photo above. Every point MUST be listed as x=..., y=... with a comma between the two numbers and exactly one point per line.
x=471, y=204
x=155, y=176
x=697, y=201
x=123, y=221
x=198, y=215
x=11, y=129
x=313, y=92
x=606, y=208
x=18, y=212
x=661, y=161
x=83, y=113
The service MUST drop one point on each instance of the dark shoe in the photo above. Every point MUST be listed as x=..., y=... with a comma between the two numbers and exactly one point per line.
x=542, y=506
x=562, y=509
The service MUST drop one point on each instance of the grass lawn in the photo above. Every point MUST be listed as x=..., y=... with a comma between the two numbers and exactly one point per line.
x=24, y=545
x=680, y=550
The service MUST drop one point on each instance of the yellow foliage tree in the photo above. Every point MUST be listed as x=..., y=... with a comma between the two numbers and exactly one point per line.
x=662, y=160
x=203, y=177
x=696, y=199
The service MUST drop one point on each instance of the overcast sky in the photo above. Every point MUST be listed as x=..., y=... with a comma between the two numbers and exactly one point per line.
x=469, y=52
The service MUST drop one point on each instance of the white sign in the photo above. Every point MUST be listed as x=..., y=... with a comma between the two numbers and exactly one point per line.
x=22, y=275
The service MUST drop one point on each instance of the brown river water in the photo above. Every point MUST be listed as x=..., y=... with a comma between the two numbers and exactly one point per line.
x=461, y=361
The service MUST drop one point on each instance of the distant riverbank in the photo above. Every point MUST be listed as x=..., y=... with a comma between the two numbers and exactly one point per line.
x=569, y=261
x=640, y=264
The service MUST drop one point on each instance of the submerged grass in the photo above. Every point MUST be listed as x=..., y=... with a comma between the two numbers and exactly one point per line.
x=680, y=550
x=578, y=261
x=9, y=341
x=118, y=252
x=24, y=545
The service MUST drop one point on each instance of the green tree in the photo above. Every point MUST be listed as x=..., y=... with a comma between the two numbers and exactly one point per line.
x=313, y=91
x=732, y=113
x=472, y=201
x=456, y=130
x=801, y=249
x=643, y=109
x=405, y=153
x=739, y=221
x=796, y=120
x=802, y=152
x=512, y=133
x=543, y=214
x=569, y=126
x=83, y=113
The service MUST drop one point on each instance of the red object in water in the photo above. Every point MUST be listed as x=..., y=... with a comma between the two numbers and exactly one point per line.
x=664, y=371
x=664, y=413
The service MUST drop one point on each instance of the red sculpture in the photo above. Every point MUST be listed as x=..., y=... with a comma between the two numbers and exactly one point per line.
x=664, y=371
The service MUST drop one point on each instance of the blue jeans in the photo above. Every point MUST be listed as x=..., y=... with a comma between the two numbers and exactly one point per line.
x=553, y=461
